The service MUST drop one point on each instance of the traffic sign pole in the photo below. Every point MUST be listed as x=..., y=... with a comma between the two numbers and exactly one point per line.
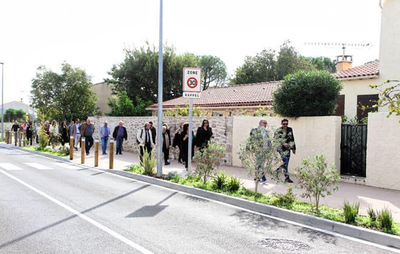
x=190, y=134
x=160, y=95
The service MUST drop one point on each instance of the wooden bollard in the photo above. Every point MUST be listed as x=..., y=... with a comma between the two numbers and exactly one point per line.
x=96, y=153
x=20, y=139
x=15, y=138
x=111, y=154
x=83, y=152
x=7, y=137
x=71, y=148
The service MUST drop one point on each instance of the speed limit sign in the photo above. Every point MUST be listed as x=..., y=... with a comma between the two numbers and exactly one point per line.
x=191, y=82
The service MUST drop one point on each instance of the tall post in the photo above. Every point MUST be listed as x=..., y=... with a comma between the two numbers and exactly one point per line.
x=96, y=153
x=190, y=134
x=2, y=100
x=160, y=94
x=15, y=137
x=111, y=162
x=71, y=148
x=83, y=151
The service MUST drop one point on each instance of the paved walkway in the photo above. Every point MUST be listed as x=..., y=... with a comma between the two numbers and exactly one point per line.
x=367, y=196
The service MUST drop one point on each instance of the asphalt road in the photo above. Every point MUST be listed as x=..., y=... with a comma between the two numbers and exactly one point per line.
x=47, y=206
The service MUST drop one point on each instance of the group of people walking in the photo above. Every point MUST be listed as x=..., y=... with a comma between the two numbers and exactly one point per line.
x=286, y=137
x=146, y=139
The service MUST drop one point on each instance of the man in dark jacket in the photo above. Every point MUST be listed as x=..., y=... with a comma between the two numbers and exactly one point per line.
x=15, y=127
x=153, y=132
x=120, y=134
x=285, y=133
x=87, y=130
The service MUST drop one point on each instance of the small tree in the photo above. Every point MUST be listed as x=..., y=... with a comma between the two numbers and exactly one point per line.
x=312, y=93
x=208, y=159
x=260, y=155
x=316, y=179
x=149, y=163
x=389, y=96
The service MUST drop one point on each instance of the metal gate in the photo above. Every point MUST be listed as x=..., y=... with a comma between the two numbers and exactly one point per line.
x=353, y=148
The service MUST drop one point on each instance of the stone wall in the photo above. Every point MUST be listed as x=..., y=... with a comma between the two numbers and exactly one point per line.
x=222, y=129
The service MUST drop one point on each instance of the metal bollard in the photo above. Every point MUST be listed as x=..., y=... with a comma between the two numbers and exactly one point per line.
x=71, y=148
x=96, y=153
x=83, y=153
x=111, y=154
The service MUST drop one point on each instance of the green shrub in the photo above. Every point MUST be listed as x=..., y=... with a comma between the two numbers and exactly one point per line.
x=371, y=214
x=149, y=163
x=316, y=179
x=350, y=212
x=136, y=168
x=286, y=199
x=307, y=93
x=233, y=184
x=208, y=160
x=176, y=178
x=385, y=220
x=220, y=181
x=43, y=140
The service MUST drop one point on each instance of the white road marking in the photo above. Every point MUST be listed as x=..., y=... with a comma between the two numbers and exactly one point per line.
x=63, y=165
x=82, y=216
x=9, y=166
x=37, y=166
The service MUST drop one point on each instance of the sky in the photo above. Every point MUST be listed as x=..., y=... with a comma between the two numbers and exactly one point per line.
x=93, y=34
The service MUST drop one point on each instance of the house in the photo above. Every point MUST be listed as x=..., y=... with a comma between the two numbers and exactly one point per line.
x=356, y=90
x=228, y=101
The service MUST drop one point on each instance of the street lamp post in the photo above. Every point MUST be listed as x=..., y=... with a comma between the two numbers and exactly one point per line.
x=2, y=101
x=160, y=95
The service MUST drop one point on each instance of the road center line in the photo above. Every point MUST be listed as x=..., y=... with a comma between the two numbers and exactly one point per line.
x=82, y=216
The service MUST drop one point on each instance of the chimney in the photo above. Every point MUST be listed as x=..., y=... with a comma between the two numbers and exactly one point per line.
x=344, y=62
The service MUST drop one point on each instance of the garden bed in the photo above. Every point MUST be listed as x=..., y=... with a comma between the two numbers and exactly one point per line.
x=285, y=201
x=47, y=150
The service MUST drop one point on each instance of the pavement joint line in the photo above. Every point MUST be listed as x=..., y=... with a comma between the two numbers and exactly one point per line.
x=114, y=173
x=82, y=216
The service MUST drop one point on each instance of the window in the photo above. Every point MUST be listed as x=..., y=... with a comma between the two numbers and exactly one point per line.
x=365, y=103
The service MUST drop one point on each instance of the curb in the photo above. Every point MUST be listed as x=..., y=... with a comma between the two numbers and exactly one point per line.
x=309, y=220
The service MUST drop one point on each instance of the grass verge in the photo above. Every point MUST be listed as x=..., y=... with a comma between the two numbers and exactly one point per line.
x=46, y=150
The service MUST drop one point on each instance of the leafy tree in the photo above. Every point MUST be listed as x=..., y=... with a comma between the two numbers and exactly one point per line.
x=213, y=71
x=259, y=158
x=184, y=111
x=316, y=179
x=123, y=106
x=269, y=65
x=389, y=96
x=322, y=63
x=312, y=93
x=12, y=115
x=208, y=160
x=259, y=68
x=63, y=96
x=138, y=73
x=289, y=61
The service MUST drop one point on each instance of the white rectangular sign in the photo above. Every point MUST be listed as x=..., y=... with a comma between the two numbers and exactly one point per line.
x=191, y=95
x=191, y=80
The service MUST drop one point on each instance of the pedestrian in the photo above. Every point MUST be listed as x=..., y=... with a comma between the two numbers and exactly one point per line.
x=178, y=141
x=76, y=133
x=70, y=129
x=64, y=133
x=54, y=131
x=87, y=130
x=15, y=127
x=153, y=132
x=285, y=134
x=166, y=144
x=185, y=144
x=204, y=135
x=145, y=140
x=261, y=132
x=29, y=132
x=104, y=135
x=35, y=132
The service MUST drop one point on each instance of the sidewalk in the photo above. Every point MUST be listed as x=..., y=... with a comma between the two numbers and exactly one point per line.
x=367, y=196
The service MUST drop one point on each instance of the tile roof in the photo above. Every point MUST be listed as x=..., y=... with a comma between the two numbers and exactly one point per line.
x=254, y=94
x=368, y=70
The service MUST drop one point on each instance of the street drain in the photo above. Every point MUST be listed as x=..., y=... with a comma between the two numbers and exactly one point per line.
x=285, y=244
